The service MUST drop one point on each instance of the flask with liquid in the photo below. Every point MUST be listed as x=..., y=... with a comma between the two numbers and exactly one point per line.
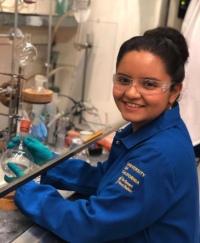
x=19, y=155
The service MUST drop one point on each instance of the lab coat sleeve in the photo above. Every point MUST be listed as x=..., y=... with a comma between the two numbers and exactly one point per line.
x=75, y=175
x=133, y=199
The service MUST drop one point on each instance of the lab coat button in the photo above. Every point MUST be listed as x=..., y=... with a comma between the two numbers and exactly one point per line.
x=117, y=142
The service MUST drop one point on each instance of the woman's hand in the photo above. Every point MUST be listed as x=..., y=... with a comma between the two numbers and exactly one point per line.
x=41, y=154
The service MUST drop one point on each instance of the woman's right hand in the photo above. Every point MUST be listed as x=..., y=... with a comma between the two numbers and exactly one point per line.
x=41, y=154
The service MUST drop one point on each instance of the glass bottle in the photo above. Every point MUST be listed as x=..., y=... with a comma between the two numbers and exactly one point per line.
x=19, y=155
x=39, y=82
x=25, y=52
x=60, y=135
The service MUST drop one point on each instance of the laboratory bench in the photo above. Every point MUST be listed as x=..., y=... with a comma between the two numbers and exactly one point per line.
x=16, y=228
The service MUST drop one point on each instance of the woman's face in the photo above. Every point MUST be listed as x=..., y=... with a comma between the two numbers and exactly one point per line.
x=134, y=107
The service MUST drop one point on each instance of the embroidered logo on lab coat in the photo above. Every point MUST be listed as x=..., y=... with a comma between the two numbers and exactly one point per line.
x=127, y=181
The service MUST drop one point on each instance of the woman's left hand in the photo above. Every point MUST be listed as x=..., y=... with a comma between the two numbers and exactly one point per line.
x=15, y=170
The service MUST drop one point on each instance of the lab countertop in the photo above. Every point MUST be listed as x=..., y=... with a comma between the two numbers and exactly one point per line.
x=12, y=224
x=16, y=228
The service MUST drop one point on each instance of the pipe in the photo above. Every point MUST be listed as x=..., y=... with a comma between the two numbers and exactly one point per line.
x=9, y=36
x=10, y=118
x=2, y=114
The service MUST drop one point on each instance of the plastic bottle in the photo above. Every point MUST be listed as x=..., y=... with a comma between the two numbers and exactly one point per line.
x=38, y=130
x=19, y=155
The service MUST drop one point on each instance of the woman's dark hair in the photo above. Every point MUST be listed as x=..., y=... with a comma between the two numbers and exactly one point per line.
x=166, y=43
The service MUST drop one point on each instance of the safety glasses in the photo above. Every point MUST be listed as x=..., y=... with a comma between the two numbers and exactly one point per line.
x=144, y=86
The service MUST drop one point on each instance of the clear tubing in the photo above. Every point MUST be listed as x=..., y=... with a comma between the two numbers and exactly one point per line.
x=68, y=13
x=69, y=68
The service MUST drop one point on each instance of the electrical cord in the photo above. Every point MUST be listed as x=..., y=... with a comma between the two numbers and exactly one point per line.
x=95, y=123
x=62, y=95
x=80, y=107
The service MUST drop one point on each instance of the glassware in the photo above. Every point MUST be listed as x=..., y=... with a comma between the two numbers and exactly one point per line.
x=38, y=94
x=18, y=155
x=60, y=135
x=82, y=155
x=39, y=81
x=25, y=52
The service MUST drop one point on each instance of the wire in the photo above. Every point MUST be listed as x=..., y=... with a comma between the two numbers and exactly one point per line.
x=62, y=95
x=80, y=106
x=95, y=123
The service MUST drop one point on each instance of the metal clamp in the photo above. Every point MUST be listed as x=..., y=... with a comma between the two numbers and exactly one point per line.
x=14, y=75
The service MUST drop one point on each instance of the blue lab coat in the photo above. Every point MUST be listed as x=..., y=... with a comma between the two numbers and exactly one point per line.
x=147, y=190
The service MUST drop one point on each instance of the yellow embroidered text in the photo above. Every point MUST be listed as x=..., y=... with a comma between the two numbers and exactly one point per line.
x=119, y=181
x=130, y=177
x=136, y=169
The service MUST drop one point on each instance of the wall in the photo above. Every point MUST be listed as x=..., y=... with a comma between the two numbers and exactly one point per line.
x=173, y=20
x=153, y=13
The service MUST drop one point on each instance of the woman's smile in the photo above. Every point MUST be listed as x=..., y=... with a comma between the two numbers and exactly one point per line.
x=133, y=105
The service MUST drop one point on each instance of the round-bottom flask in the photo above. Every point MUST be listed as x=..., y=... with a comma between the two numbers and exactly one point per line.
x=18, y=155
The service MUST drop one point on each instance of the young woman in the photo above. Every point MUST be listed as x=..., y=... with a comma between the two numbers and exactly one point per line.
x=147, y=190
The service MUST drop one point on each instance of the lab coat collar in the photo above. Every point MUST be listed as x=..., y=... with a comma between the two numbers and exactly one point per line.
x=166, y=120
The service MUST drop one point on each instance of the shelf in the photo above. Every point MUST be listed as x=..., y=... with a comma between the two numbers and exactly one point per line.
x=7, y=19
